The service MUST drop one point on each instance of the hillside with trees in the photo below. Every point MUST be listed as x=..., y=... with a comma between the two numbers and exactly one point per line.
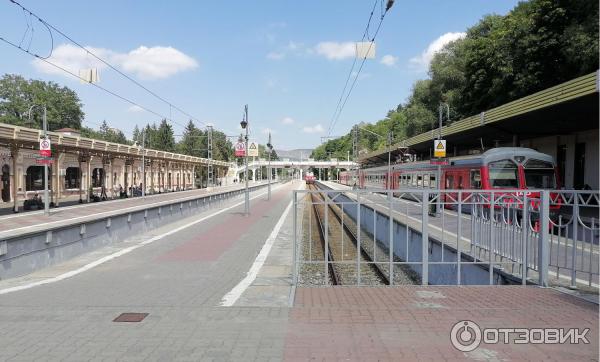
x=538, y=44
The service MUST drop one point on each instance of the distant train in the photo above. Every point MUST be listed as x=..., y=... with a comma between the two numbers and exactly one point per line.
x=310, y=178
x=496, y=169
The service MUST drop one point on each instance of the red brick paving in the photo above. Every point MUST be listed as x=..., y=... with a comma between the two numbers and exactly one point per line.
x=211, y=244
x=385, y=324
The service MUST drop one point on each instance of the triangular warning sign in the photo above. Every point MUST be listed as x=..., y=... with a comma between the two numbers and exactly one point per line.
x=253, y=145
x=440, y=146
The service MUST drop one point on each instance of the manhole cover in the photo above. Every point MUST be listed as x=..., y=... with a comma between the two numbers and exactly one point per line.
x=131, y=317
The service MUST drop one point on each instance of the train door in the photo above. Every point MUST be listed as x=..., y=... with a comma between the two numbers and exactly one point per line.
x=475, y=179
x=5, y=183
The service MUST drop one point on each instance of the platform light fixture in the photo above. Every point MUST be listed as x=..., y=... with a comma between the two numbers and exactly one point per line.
x=244, y=124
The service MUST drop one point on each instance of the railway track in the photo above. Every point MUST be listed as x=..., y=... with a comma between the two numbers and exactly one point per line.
x=339, y=246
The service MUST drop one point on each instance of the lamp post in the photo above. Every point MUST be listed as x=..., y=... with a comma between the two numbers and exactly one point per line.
x=270, y=147
x=144, y=163
x=439, y=167
x=244, y=124
x=45, y=128
x=389, y=147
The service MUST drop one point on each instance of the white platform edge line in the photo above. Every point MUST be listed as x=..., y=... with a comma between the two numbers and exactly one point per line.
x=119, y=253
x=234, y=294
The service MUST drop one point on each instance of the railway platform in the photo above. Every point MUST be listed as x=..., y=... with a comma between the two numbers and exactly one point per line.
x=217, y=286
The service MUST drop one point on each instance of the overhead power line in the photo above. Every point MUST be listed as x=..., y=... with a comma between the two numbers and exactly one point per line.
x=50, y=26
x=340, y=106
x=83, y=79
x=350, y=72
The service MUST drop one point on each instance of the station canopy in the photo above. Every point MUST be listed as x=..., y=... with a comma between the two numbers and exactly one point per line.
x=565, y=108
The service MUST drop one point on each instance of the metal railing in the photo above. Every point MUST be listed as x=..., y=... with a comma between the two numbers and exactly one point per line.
x=477, y=237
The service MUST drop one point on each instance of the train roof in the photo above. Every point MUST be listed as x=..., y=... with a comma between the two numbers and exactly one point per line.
x=492, y=155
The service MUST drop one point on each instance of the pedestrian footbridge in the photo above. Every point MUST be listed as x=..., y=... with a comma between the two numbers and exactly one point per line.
x=296, y=168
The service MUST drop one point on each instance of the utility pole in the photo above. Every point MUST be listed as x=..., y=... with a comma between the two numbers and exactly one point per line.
x=46, y=198
x=209, y=182
x=143, y=163
x=355, y=153
x=45, y=130
x=389, y=138
x=389, y=178
x=270, y=147
x=439, y=167
x=244, y=125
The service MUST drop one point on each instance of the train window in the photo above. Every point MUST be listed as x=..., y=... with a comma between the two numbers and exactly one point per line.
x=425, y=180
x=413, y=180
x=432, y=181
x=460, y=182
x=475, y=179
x=419, y=180
x=503, y=173
x=539, y=175
x=538, y=164
x=449, y=181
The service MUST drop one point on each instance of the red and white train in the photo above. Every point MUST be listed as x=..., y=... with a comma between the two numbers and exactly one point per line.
x=310, y=178
x=496, y=169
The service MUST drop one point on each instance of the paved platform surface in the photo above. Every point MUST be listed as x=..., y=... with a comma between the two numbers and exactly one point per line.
x=35, y=220
x=180, y=274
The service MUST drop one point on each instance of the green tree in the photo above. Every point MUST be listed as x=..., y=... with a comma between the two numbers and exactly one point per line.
x=191, y=142
x=137, y=135
x=539, y=44
x=17, y=94
x=161, y=137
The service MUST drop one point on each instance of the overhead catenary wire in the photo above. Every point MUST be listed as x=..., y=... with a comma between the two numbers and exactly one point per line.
x=339, y=109
x=108, y=65
x=350, y=72
x=123, y=98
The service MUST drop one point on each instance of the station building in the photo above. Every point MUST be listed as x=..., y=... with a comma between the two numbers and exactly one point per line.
x=561, y=121
x=82, y=167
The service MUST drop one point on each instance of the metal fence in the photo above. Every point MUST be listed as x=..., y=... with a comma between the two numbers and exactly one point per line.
x=366, y=237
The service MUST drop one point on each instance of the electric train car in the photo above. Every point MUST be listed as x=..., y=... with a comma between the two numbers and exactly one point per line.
x=309, y=178
x=496, y=169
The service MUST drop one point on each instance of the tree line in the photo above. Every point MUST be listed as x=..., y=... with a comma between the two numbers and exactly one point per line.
x=538, y=44
x=64, y=110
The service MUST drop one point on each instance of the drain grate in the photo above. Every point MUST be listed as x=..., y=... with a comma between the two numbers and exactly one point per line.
x=131, y=317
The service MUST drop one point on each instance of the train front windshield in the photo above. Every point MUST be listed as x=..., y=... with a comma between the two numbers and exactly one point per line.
x=539, y=175
x=504, y=174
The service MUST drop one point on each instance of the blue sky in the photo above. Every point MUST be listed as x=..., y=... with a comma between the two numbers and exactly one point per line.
x=287, y=59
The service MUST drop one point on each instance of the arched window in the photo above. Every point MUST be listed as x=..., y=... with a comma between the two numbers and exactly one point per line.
x=34, y=180
x=72, y=178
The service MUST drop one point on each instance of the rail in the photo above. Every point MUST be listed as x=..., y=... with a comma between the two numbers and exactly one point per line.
x=481, y=237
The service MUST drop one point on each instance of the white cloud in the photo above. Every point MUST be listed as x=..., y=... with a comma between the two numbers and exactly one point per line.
x=156, y=62
x=135, y=109
x=275, y=55
x=423, y=60
x=389, y=60
x=294, y=46
x=313, y=129
x=73, y=59
x=287, y=120
x=336, y=51
x=146, y=63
